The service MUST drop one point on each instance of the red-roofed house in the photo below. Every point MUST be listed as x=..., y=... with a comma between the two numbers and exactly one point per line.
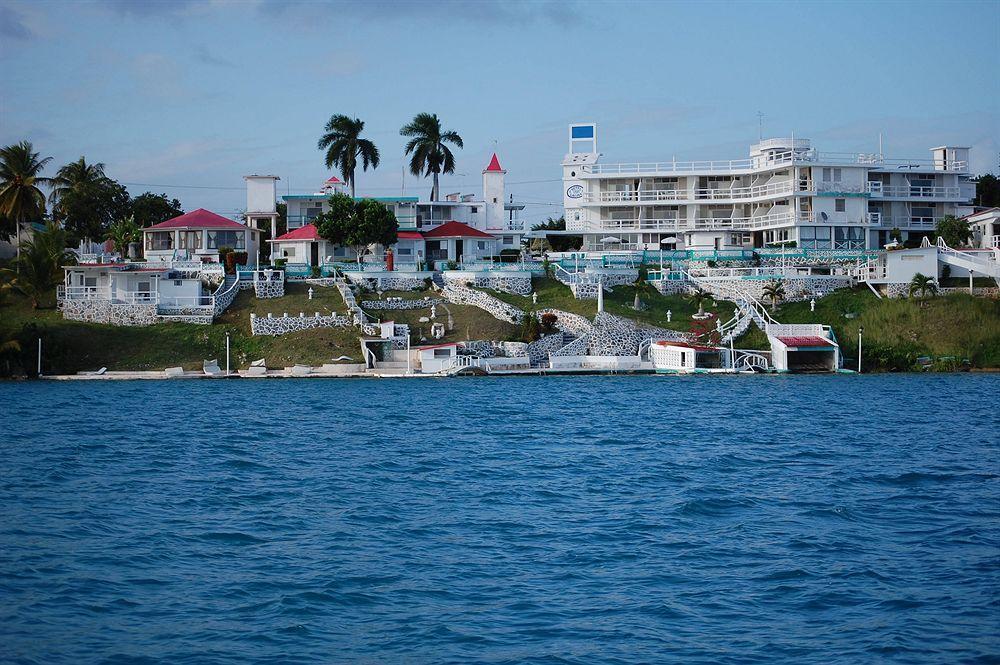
x=305, y=246
x=198, y=236
x=803, y=347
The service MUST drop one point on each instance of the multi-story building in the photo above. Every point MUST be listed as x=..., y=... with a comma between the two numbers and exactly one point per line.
x=475, y=226
x=785, y=192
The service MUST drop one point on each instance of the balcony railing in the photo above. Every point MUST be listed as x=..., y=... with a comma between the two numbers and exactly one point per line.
x=774, y=160
x=701, y=194
x=909, y=222
x=877, y=189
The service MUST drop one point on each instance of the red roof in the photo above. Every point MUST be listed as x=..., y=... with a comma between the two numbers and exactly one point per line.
x=334, y=180
x=199, y=219
x=806, y=341
x=494, y=164
x=455, y=229
x=307, y=232
x=410, y=235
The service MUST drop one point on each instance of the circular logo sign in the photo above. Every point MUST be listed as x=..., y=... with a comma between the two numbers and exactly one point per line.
x=575, y=192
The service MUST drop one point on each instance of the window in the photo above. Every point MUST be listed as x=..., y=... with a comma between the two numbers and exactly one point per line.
x=442, y=353
x=234, y=239
x=494, y=199
x=838, y=175
x=840, y=205
x=832, y=174
x=160, y=240
x=481, y=244
x=474, y=210
x=508, y=240
x=289, y=252
x=190, y=239
x=404, y=251
x=178, y=282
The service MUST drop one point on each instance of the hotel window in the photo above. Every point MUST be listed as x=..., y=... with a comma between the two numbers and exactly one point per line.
x=481, y=244
x=160, y=240
x=815, y=237
x=234, y=239
x=190, y=239
x=840, y=205
x=289, y=252
x=508, y=240
x=474, y=210
x=832, y=174
x=404, y=251
x=925, y=212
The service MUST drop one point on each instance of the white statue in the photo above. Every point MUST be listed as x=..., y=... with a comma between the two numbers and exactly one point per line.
x=669, y=315
x=433, y=311
x=812, y=305
x=534, y=297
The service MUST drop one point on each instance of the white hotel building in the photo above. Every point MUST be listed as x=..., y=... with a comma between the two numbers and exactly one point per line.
x=786, y=191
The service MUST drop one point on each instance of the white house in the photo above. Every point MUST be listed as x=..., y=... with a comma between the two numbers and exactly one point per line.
x=803, y=347
x=985, y=227
x=198, y=236
x=675, y=357
x=785, y=191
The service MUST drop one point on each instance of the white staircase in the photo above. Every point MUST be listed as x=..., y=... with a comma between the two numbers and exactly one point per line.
x=973, y=262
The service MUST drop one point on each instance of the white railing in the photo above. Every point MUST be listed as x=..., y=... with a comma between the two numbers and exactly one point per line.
x=773, y=160
x=86, y=293
x=458, y=363
x=701, y=194
x=700, y=223
x=187, y=301
x=909, y=191
x=910, y=222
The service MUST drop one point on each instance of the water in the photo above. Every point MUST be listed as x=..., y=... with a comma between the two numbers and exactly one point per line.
x=565, y=520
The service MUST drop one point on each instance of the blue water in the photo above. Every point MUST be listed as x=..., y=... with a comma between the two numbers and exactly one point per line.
x=839, y=519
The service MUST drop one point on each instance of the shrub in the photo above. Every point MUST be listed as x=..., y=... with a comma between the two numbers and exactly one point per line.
x=316, y=272
x=549, y=322
x=452, y=265
x=279, y=263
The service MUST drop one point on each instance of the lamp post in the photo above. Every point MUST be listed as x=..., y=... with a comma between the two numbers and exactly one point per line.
x=861, y=331
x=227, y=354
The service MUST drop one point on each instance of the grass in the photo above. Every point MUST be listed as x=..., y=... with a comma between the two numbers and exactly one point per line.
x=553, y=293
x=470, y=322
x=898, y=331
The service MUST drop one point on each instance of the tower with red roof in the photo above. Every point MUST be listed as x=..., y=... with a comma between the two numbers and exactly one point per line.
x=493, y=193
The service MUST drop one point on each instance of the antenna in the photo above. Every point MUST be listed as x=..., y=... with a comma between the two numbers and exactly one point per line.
x=760, y=126
x=880, y=153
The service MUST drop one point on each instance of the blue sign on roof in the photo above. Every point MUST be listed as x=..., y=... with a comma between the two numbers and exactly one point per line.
x=583, y=131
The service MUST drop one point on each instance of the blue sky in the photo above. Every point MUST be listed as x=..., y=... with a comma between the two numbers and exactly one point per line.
x=200, y=93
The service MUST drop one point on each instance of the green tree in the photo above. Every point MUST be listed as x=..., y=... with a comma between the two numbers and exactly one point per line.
x=357, y=224
x=343, y=144
x=39, y=266
x=922, y=284
x=428, y=145
x=698, y=298
x=642, y=287
x=149, y=208
x=774, y=291
x=85, y=200
x=122, y=232
x=987, y=191
x=21, y=200
x=954, y=231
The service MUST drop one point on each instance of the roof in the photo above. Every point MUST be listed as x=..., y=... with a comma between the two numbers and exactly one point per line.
x=494, y=166
x=334, y=180
x=198, y=219
x=382, y=199
x=126, y=267
x=435, y=346
x=985, y=211
x=806, y=341
x=409, y=235
x=455, y=229
x=307, y=232
x=685, y=345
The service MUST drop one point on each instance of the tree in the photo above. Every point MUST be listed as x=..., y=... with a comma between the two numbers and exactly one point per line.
x=343, y=144
x=85, y=200
x=774, y=291
x=922, y=284
x=149, y=208
x=357, y=224
x=987, y=191
x=431, y=155
x=698, y=298
x=122, y=232
x=21, y=200
x=39, y=264
x=558, y=243
x=642, y=287
x=955, y=232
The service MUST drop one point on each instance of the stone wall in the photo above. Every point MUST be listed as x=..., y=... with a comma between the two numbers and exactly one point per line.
x=204, y=320
x=578, y=347
x=540, y=349
x=796, y=288
x=282, y=325
x=498, y=309
x=387, y=283
x=516, y=285
x=574, y=324
x=991, y=292
x=400, y=304
x=493, y=349
x=268, y=288
x=104, y=311
x=616, y=336
x=670, y=287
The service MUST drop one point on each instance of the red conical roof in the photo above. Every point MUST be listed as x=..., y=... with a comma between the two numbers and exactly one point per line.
x=494, y=165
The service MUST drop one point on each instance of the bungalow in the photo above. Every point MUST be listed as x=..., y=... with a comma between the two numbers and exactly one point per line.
x=676, y=357
x=808, y=347
x=198, y=236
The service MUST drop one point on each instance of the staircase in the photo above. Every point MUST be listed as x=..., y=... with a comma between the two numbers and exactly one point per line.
x=989, y=267
x=438, y=280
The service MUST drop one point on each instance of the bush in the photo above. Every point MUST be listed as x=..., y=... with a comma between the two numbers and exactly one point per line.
x=549, y=322
x=232, y=259
x=452, y=265
x=316, y=272
x=279, y=263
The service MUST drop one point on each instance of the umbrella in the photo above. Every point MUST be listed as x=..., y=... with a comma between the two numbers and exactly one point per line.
x=669, y=241
x=611, y=239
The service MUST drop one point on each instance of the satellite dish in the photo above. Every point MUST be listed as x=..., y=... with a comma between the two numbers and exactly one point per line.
x=824, y=216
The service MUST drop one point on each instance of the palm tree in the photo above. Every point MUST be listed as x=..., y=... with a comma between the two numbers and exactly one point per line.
x=76, y=178
x=923, y=285
x=699, y=297
x=427, y=143
x=641, y=287
x=123, y=232
x=20, y=198
x=39, y=265
x=774, y=291
x=343, y=144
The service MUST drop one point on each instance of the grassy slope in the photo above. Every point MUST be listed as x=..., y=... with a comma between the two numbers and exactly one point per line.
x=554, y=294
x=900, y=330
x=470, y=322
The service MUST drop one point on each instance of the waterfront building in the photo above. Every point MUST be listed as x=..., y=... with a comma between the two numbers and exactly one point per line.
x=985, y=227
x=460, y=228
x=198, y=236
x=785, y=192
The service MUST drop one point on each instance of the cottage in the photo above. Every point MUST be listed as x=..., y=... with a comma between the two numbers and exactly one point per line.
x=198, y=236
x=675, y=357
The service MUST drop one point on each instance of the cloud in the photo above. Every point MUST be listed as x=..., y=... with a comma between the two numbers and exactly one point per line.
x=206, y=57
x=13, y=25
x=148, y=8
x=497, y=12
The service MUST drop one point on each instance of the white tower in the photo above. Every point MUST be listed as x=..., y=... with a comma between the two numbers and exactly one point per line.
x=262, y=203
x=493, y=194
x=581, y=156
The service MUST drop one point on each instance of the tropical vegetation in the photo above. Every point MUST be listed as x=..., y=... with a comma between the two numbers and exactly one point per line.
x=922, y=285
x=344, y=145
x=123, y=232
x=955, y=232
x=85, y=201
x=21, y=199
x=428, y=147
x=698, y=297
x=774, y=291
x=357, y=224
x=39, y=265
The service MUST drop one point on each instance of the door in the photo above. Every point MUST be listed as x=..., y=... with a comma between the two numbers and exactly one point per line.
x=458, y=250
x=314, y=253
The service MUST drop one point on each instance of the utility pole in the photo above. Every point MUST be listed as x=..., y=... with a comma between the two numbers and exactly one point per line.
x=760, y=126
x=860, y=331
x=227, y=354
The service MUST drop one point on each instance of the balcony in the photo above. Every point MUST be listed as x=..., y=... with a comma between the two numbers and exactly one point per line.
x=878, y=190
x=706, y=194
x=910, y=222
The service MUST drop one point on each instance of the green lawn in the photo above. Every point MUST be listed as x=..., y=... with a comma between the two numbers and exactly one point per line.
x=556, y=295
x=897, y=331
x=471, y=323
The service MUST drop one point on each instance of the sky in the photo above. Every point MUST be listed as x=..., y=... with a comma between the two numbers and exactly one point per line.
x=186, y=97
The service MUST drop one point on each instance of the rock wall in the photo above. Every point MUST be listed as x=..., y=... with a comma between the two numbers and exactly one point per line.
x=498, y=309
x=493, y=349
x=578, y=347
x=516, y=285
x=670, y=287
x=796, y=288
x=388, y=283
x=616, y=336
x=574, y=324
x=199, y=320
x=104, y=311
x=400, y=304
x=539, y=350
x=282, y=325
x=268, y=288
